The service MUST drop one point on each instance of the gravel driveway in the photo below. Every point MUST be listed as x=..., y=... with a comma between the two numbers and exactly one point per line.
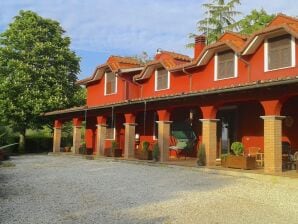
x=50, y=189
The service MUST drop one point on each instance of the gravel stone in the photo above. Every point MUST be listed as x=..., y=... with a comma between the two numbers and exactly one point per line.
x=58, y=189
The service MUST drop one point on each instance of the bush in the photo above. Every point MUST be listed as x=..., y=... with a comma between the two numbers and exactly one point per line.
x=237, y=148
x=39, y=144
x=145, y=146
x=201, y=155
x=155, y=153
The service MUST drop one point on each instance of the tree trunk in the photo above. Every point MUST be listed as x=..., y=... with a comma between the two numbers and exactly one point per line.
x=21, y=147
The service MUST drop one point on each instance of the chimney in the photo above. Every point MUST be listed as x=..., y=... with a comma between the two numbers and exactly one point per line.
x=199, y=45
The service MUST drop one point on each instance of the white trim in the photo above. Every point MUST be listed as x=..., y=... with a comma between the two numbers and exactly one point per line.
x=266, y=55
x=155, y=81
x=293, y=55
x=235, y=75
x=250, y=45
x=203, y=57
x=105, y=84
x=114, y=135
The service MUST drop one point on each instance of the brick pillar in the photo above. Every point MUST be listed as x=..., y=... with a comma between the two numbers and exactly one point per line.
x=209, y=139
x=130, y=131
x=100, y=135
x=57, y=136
x=272, y=143
x=164, y=129
x=100, y=139
x=77, y=138
x=57, y=139
x=129, y=145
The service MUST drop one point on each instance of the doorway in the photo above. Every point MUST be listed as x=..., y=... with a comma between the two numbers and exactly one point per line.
x=227, y=129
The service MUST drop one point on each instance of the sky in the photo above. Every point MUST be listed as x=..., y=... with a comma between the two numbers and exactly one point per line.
x=100, y=28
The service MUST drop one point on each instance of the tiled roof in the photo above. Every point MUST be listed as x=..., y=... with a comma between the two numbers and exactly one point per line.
x=171, y=60
x=177, y=56
x=228, y=88
x=114, y=63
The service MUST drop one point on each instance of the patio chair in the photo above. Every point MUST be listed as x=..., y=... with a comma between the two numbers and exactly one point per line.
x=286, y=155
x=177, y=146
x=256, y=152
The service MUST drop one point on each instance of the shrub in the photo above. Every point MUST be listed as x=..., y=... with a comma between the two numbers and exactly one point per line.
x=82, y=149
x=155, y=153
x=201, y=155
x=237, y=148
x=145, y=146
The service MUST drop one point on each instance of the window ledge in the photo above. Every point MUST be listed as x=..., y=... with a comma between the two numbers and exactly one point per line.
x=275, y=69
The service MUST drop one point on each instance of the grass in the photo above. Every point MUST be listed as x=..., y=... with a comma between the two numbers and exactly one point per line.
x=7, y=164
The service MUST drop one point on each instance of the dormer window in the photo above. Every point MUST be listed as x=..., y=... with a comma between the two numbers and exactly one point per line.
x=162, y=79
x=110, y=83
x=225, y=65
x=279, y=52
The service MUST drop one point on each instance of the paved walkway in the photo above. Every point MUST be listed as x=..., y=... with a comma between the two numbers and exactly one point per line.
x=56, y=189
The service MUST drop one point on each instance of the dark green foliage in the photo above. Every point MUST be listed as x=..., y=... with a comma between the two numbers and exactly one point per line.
x=254, y=21
x=201, y=155
x=155, y=153
x=145, y=146
x=38, y=71
x=237, y=148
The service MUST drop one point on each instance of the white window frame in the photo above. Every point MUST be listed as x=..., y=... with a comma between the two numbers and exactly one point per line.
x=105, y=84
x=114, y=135
x=155, y=81
x=293, y=55
x=216, y=67
x=155, y=121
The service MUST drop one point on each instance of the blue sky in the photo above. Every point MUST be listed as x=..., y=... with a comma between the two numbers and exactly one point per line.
x=99, y=28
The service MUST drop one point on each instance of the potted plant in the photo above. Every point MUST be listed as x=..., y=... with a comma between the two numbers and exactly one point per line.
x=155, y=152
x=145, y=153
x=238, y=160
x=223, y=160
x=82, y=149
x=115, y=150
x=201, y=155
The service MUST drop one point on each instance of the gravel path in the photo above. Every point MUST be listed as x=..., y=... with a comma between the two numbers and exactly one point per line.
x=48, y=189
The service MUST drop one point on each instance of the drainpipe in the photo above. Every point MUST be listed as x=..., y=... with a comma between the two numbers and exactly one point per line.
x=190, y=78
x=248, y=67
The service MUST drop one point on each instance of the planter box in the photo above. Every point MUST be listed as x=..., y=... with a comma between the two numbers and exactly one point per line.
x=113, y=153
x=240, y=162
x=143, y=155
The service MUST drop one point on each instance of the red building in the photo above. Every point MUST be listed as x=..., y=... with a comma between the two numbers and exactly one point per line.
x=241, y=88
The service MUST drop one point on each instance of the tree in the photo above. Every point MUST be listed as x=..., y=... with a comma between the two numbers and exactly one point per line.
x=254, y=21
x=38, y=71
x=219, y=17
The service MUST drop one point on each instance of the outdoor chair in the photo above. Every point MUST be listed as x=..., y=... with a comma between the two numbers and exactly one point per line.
x=256, y=152
x=286, y=155
x=177, y=146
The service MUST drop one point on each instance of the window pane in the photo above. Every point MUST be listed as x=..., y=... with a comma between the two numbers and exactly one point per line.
x=110, y=83
x=162, y=79
x=225, y=65
x=279, y=52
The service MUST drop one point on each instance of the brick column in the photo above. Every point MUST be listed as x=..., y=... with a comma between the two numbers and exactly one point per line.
x=272, y=143
x=130, y=131
x=77, y=138
x=209, y=139
x=164, y=132
x=100, y=135
x=129, y=144
x=57, y=136
x=100, y=139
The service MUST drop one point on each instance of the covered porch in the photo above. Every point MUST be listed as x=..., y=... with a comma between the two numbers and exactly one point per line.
x=260, y=116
